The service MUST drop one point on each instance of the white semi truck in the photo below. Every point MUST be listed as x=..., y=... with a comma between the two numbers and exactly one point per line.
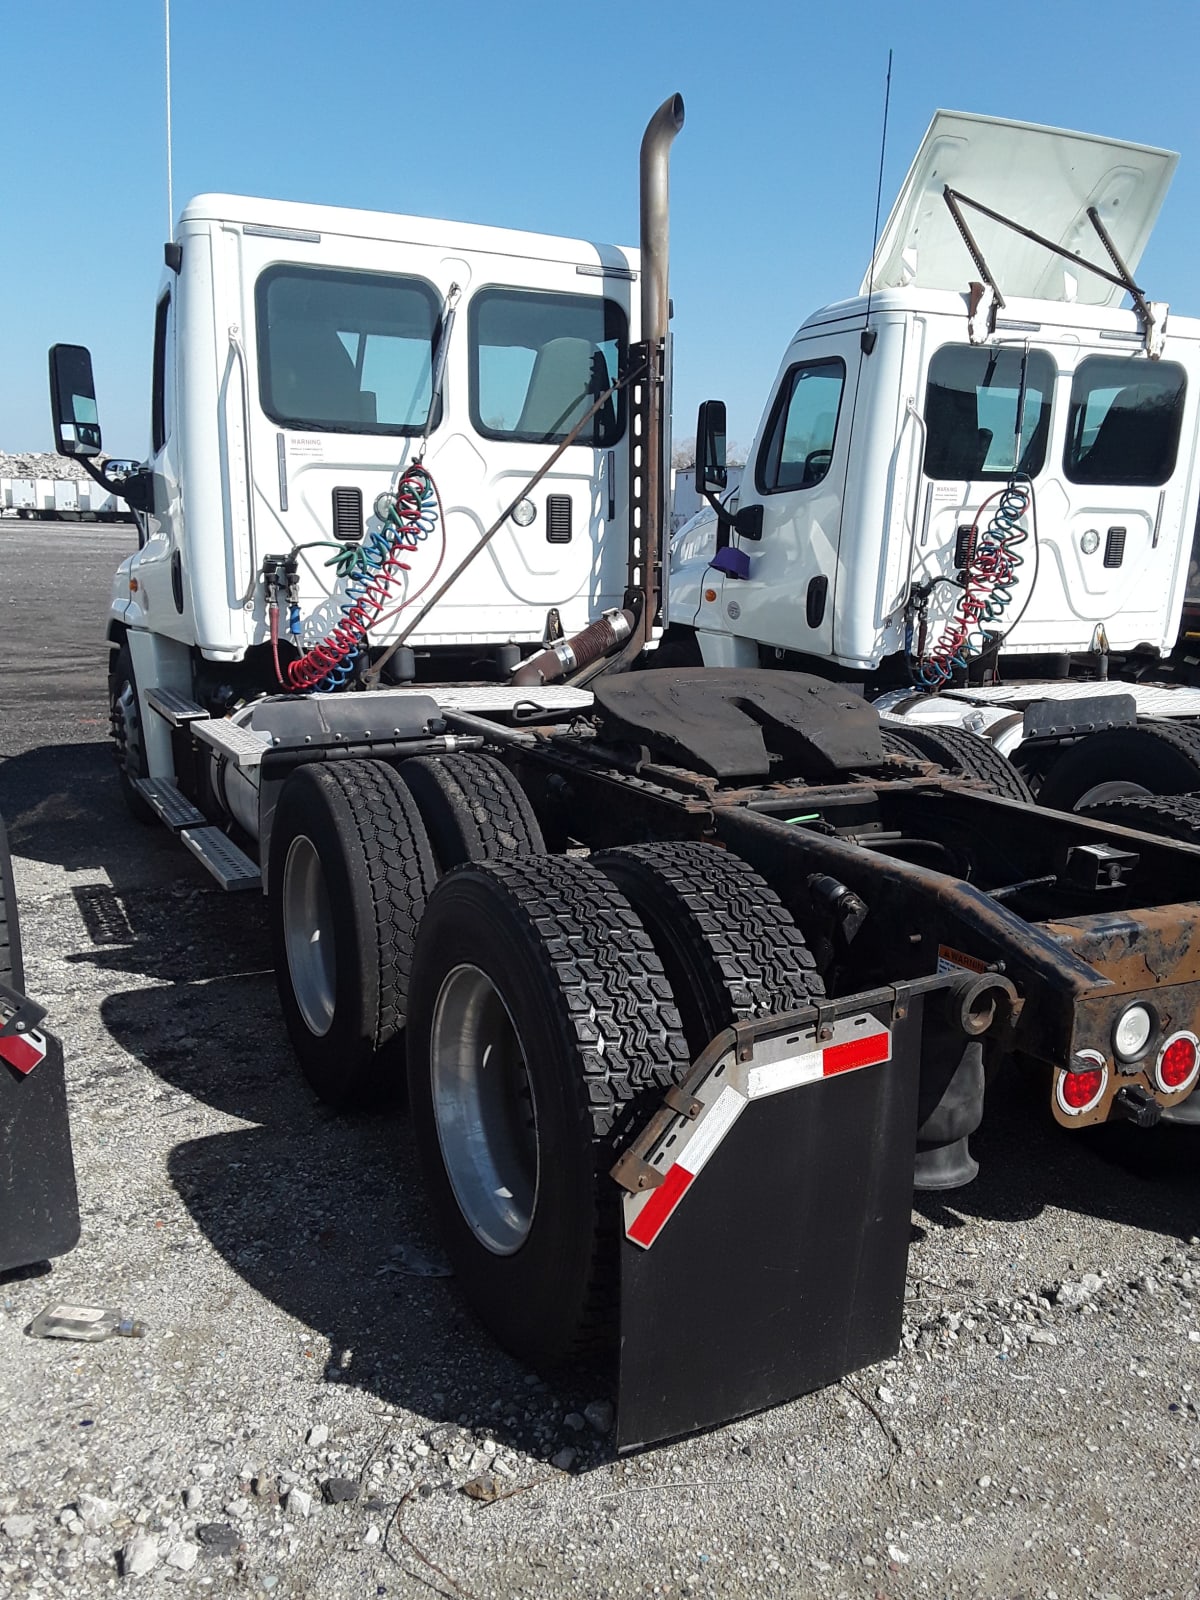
x=679, y=966
x=974, y=488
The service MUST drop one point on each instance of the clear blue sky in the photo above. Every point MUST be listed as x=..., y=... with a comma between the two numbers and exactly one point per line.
x=529, y=114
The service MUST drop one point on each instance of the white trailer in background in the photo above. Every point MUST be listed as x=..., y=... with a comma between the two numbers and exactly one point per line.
x=975, y=485
x=66, y=499
x=23, y=496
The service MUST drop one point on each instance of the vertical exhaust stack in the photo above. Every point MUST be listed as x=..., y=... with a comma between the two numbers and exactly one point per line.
x=655, y=245
x=631, y=627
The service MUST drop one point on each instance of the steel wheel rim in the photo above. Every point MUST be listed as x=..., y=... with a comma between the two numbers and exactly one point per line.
x=308, y=935
x=127, y=729
x=484, y=1110
x=1111, y=789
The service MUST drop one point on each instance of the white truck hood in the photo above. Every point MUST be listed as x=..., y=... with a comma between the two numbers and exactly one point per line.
x=1042, y=178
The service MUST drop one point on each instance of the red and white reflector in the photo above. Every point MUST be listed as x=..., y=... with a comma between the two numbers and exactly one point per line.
x=684, y=1151
x=1082, y=1090
x=1178, y=1064
x=23, y=1051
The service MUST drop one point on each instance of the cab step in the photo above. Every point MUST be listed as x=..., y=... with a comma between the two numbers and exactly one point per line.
x=178, y=709
x=245, y=747
x=173, y=807
x=229, y=865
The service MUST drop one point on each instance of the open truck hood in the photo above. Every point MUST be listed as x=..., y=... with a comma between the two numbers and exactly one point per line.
x=1042, y=178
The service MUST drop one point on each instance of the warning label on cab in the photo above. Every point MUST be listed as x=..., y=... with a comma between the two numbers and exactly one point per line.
x=949, y=959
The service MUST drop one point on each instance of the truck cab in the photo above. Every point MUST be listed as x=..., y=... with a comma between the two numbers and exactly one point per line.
x=984, y=391
x=303, y=356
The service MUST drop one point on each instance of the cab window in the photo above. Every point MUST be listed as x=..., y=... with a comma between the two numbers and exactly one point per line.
x=1125, y=421
x=539, y=362
x=345, y=352
x=162, y=399
x=971, y=403
x=798, y=448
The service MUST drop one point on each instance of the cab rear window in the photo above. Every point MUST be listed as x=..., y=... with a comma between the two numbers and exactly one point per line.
x=345, y=352
x=973, y=432
x=1125, y=421
x=540, y=361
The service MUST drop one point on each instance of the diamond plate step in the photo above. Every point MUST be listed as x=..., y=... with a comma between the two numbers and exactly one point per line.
x=177, y=708
x=245, y=747
x=231, y=867
x=174, y=808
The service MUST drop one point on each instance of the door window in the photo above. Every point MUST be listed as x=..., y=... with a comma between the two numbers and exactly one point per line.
x=162, y=400
x=971, y=403
x=539, y=362
x=798, y=449
x=1125, y=421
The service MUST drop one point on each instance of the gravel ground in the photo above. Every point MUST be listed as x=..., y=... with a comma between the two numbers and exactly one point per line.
x=304, y=1411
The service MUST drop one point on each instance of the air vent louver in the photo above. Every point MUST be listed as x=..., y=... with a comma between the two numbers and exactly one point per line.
x=558, y=519
x=1114, y=547
x=348, y=515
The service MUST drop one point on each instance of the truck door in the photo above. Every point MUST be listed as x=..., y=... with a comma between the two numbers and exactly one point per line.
x=798, y=476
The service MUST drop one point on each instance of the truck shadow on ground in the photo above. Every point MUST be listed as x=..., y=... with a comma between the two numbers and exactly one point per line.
x=1145, y=1178
x=323, y=1214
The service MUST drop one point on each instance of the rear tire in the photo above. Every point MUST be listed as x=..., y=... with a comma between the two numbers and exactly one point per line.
x=543, y=1030
x=350, y=870
x=1167, y=816
x=473, y=809
x=729, y=947
x=964, y=754
x=1155, y=758
x=12, y=966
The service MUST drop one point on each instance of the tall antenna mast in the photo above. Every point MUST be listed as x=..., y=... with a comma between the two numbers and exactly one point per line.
x=887, y=97
x=170, y=176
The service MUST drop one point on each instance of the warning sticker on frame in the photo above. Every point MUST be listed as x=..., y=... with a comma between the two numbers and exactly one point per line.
x=951, y=960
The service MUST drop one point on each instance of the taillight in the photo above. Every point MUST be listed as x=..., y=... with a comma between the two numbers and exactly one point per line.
x=1178, y=1062
x=1082, y=1090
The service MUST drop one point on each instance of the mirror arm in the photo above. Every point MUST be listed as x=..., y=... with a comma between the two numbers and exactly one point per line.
x=725, y=523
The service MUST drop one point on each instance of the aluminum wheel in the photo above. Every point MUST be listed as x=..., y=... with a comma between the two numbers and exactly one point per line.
x=1113, y=789
x=484, y=1110
x=308, y=935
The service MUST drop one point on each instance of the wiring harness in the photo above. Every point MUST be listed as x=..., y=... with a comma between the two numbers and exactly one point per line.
x=989, y=576
x=374, y=575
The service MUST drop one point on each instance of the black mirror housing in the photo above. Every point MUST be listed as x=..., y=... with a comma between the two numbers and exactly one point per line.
x=711, y=474
x=73, y=402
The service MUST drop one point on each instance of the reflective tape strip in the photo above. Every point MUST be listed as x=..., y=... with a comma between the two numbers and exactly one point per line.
x=23, y=1051
x=693, y=1144
x=659, y=1205
x=711, y=1129
x=866, y=1052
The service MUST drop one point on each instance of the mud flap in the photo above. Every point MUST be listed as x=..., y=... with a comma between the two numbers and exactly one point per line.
x=39, y=1207
x=766, y=1217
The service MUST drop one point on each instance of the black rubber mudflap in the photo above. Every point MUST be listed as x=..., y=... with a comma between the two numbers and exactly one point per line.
x=779, y=1266
x=39, y=1208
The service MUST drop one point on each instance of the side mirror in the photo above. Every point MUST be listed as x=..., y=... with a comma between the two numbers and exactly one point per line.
x=711, y=475
x=73, y=401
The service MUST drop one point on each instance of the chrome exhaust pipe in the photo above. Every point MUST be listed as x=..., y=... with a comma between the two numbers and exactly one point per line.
x=655, y=244
x=628, y=630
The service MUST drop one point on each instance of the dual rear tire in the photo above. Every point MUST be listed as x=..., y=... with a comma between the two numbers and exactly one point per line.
x=542, y=1004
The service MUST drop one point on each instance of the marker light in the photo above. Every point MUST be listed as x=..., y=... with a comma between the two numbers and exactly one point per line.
x=1132, y=1032
x=1081, y=1091
x=383, y=504
x=1089, y=542
x=523, y=513
x=1178, y=1062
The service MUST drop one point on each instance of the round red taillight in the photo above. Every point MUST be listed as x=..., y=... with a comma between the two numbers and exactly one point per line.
x=1178, y=1062
x=1083, y=1089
